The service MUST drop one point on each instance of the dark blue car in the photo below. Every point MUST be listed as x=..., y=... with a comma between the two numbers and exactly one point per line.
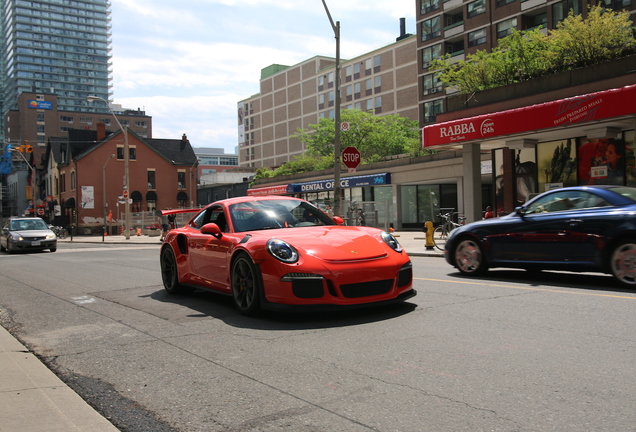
x=581, y=229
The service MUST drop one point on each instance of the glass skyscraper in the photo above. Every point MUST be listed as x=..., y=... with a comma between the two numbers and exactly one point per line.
x=59, y=47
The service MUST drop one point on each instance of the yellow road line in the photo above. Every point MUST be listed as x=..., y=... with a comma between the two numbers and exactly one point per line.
x=527, y=288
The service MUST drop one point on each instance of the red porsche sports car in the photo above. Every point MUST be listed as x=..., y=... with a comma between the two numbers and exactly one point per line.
x=279, y=252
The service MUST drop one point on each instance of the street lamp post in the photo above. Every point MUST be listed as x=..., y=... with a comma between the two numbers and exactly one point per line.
x=104, y=192
x=193, y=179
x=32, y=168
x=126, y=163
x=336, y=141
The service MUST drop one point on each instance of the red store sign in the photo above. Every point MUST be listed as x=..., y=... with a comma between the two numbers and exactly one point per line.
x=580, y=109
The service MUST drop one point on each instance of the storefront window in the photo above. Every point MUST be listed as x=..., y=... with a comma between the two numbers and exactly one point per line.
x=556, y=164
x=630, y=158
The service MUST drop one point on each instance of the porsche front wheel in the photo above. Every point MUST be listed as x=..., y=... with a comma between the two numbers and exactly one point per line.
x=469, y=257
x=246, y=285
x=169, y=272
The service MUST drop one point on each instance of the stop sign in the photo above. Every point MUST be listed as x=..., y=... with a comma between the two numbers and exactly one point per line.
x=351, y=157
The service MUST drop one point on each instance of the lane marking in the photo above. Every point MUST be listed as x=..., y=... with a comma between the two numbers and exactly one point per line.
x=528, y=288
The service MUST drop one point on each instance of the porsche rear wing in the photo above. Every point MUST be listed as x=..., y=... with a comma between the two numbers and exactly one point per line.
x=177, y=211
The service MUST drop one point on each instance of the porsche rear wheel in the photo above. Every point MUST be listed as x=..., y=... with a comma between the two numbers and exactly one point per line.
x=246, y=285
x=169, y=272
x=623, y=263
x=469, y=257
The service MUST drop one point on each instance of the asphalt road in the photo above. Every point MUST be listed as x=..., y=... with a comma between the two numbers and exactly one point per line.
x=512, y=351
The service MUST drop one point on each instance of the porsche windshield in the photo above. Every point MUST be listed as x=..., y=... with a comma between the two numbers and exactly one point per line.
x=272, y=214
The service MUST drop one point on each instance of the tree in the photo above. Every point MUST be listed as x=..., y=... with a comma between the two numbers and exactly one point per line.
x=523, y=55
x=374, y=136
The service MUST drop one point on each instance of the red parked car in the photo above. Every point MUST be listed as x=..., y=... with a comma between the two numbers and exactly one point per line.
x=284, y=253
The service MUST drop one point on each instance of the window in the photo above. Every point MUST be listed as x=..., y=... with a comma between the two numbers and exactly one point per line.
x=616, y=4
x=66, y=119
x=561, y=10
x=476, y=8
x=356, y=90
x=431, y=53
x=72, y=180
x=500, y=3
x=378, y=105
x=349, y=90
x=377, y=62
x=141, y=123
x=506, y=27
x=132, y=153
x=86, y=120
x=477, y=37
x=431, y=109
x=427, y=6
x=431, y=28
x=368, y=85
x=565, y=201
x=431, y=84
x=378, y=83
x=368, y=64
x=181, y=179
x=40, y=117
x=151, y=179
x=106, y=121
x=369, y=104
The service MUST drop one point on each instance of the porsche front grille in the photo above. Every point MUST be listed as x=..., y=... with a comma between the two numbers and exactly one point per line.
x=365, y=289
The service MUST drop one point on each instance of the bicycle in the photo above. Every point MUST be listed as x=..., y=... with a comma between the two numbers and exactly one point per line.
x=440, y=234
x=60, y=232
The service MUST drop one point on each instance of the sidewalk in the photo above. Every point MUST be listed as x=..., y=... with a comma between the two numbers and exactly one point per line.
x=32, y=398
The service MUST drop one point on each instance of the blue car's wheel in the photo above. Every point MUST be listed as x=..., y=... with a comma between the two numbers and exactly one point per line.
x=469, y=257
x=623, y=263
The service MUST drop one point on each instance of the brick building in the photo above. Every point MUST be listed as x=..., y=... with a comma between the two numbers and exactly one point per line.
x=85, y=176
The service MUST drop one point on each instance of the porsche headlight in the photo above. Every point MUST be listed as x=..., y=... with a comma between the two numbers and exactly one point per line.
x=282, y=251
x=391, y=241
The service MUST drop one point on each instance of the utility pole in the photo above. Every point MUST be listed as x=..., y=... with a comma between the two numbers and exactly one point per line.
x=336, y=143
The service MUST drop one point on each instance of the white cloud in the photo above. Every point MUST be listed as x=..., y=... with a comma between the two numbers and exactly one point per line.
x=187, y=64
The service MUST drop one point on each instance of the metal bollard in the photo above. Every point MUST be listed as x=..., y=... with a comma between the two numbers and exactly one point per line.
x=429, y=235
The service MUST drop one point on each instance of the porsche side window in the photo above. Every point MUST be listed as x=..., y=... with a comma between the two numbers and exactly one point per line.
x=198, y=221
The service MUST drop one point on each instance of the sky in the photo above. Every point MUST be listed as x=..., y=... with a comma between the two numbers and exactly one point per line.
x=188, y=63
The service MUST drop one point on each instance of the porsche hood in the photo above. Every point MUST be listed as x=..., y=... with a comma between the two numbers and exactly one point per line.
x=337, y=243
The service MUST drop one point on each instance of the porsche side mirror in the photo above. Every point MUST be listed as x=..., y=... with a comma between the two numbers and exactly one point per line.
x=338, y=220
x=212, y=229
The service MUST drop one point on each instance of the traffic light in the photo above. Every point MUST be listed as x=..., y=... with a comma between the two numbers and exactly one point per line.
x=25, y=148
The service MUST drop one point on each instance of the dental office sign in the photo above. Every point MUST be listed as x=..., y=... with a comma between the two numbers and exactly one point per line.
x=590, y=107
x=348, y=182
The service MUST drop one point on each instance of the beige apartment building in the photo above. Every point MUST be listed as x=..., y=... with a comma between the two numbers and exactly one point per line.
x=383, y=81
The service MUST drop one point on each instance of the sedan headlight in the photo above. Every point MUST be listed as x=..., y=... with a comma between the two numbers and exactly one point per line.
x=50, y=236
x=283, y=251
x=391, y=241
